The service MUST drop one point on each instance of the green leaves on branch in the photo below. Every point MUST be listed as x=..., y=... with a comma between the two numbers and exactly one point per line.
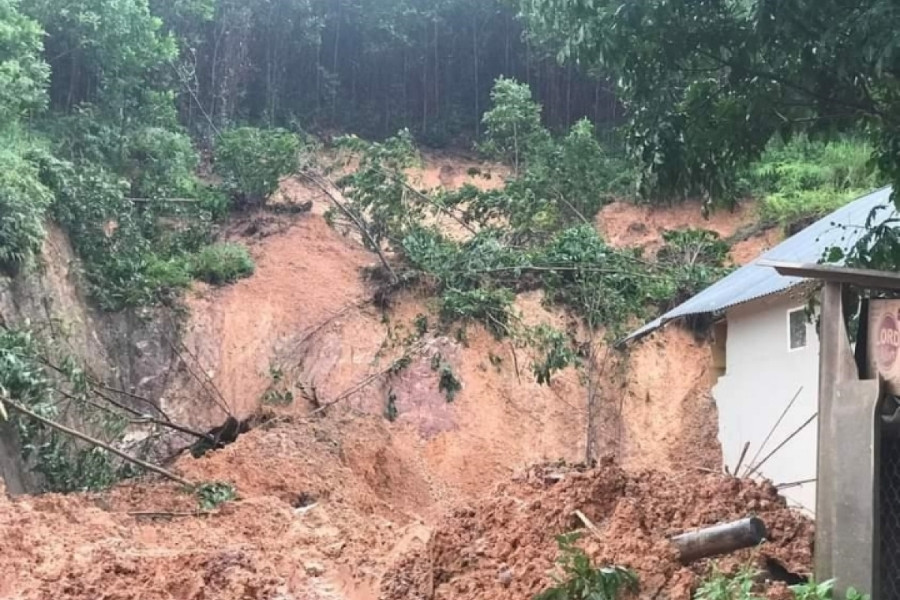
x=708, y=84
x=514, y=132
x=252, y=161
x=380, y=194
x=580, y=579
x=23, y=72
x=23, y=203
x=537, y=232
x=62, y=463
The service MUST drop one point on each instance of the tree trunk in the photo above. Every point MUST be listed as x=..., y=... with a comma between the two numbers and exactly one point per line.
x=437, y=83
x=477, y=82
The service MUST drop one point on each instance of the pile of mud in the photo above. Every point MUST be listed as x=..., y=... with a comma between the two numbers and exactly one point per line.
x=505, y=546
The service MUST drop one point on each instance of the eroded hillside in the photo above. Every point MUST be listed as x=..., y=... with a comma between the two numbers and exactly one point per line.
x=352, y=460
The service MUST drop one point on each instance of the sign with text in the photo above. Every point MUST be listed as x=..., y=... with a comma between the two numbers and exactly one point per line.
x=884, y=342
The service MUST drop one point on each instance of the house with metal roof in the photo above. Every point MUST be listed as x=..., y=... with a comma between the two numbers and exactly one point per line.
x=765, y=352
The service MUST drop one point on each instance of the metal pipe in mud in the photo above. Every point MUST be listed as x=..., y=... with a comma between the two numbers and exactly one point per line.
x=719, y=539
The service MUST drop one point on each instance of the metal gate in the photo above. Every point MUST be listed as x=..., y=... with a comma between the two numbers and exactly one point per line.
x=890, y=514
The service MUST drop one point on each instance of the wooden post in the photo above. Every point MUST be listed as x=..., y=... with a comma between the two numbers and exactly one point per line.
x=719, y=539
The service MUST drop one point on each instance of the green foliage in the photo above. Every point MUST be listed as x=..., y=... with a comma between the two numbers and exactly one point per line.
x=252, y=161
x=708, y=85
x=581, y=580
x=222, y=263
x=278, y=393
x=23, y=203
x=513, y=126
x=877, y=247
x=421, y=324
x=116, y=55
x=448, y=382
x=128, y=260
x=719, y=586
x=62, y=463
x=23, y=72
x=487, y=306
x=823, y=591
x=213, y=494
x=805, y=179
x=161, y=163
x=522, y=242
x=378, y=189
x=555, y=352
x=694, y=260
x=558, y=181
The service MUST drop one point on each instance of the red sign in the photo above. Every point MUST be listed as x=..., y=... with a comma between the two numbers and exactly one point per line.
x=888, y=342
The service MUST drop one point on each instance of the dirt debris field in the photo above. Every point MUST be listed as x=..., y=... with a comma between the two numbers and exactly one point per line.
x=442, y=502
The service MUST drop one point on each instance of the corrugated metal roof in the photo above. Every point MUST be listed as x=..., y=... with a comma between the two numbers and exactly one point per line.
x=753, y=281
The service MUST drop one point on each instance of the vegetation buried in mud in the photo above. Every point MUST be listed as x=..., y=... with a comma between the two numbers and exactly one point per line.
x=581, y=579
x=536, y=232
x=213, y=494
x=744, y=585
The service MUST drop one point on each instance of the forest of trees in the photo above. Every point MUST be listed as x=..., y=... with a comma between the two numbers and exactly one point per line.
x=370, y=66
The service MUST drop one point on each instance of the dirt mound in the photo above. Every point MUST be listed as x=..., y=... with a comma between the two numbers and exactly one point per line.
x=311, y=511
x=504, y=546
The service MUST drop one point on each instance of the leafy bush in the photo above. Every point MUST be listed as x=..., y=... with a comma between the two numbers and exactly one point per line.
x=805, y=179
x=513, y=125
x=23, y=72
x=487, y=306
x=558, y=181
x=555, y=352
x=211, y=495
x=222, y=263
x=378, y=189
x=719, y=586
x=448, y=382
x=161, y=163
x=823, y=591
x=23, y=202
x=252, y=161
x=695, y=259
x=580, y=579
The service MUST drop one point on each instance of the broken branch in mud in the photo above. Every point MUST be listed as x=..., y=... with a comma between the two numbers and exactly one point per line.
x=719, y=539
x=778, y=448
x=168, y=515
x=95, y=442
x=325, y=186
x=587, y=523
x=206, y=381
x=140, y=417
x=367, y=381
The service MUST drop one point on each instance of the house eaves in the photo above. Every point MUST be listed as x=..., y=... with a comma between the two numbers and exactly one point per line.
x=842, y=229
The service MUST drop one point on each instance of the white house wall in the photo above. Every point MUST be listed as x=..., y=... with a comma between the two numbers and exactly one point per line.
x=761, y=376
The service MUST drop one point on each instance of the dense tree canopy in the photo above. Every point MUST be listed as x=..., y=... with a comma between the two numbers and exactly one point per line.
x=369, y=66
x=708, y=83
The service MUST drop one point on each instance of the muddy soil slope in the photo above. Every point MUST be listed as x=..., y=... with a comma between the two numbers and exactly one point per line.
x=354, y=462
